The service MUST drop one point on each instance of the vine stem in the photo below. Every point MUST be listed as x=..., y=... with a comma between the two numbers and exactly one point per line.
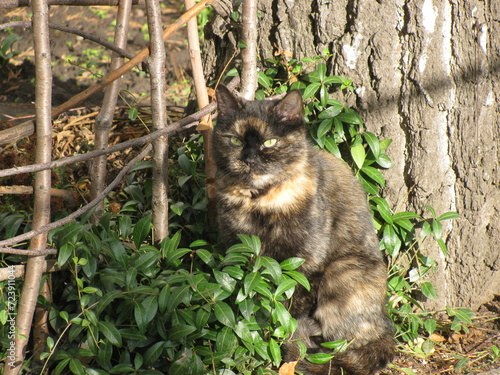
x=52, y=350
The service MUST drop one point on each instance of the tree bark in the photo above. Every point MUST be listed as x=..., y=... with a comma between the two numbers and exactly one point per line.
x=427, y=76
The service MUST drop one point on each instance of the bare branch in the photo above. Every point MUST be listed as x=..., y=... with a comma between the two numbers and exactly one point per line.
x=18, y=271
x=85, y=94
x=104, y=119
x=10, y=250
x=249, y=52
x=181, y=125
x=72, y=30
x=159, y=114
x=82, y=210
x=41, y=210
x=205, y=125
x=27, y=3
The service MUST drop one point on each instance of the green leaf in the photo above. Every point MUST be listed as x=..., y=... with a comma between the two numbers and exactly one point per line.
x=180, y=331
x=76, y=366
x=141, y=231
x=110, y=332
x=321, y=69
x=224, y=314
x=65, y=251
x=292, y=263
x=448, y=215
x=264, y=80
x=107, y=299
x=252, y=242
x=146, y=260
x=246, y=308
x=226, y=341
x=271, y=267
x=176, y=254
x=391, y=241
x=284, y=286
x=383, y=209
x=202, y=316
x=442, y=246
x=275, y=350
x=70, y=233
x=311, y=90
x=225, y=281
x=300, y=278
x=428, y=290
x=374, y=174
x=150, y=305
x=324, y=127
x=373, y=143
x=358, y=155
x=405, y=216
x=250, y=281
x=331, y=111
x=153, y=353
x=464, y=315
x=332, y=147
x=133, y=113
x=430, y=326
x=319, y=358
x=177, y=294
x=205, y=255
x=283, y=315
x=89, y=290
x=350, y=118
x=323, y=95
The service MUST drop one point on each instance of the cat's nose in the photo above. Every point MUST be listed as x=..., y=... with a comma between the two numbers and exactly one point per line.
x=250, y=159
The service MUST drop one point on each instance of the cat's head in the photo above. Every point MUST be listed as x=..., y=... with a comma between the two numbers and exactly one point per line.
x=259, y=142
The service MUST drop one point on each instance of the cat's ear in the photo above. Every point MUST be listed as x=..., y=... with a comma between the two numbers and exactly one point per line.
x=290, y=109
x=227, y=102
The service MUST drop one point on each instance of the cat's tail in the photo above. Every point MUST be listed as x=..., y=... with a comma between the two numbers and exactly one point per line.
x=368, y=359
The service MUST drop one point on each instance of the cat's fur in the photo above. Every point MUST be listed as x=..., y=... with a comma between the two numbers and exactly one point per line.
x=305, y=203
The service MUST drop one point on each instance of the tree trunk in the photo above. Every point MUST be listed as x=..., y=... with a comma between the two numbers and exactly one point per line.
x=427, y=76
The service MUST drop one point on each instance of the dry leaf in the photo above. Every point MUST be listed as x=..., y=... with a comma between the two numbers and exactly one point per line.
x=288, y=368
x=436, y=337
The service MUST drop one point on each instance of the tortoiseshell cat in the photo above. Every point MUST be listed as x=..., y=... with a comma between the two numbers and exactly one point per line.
x=305, y=203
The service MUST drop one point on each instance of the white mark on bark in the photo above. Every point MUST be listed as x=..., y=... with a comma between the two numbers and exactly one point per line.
x=351, y=52
x=429, y=15
x=490, y=99
x=422, y=61
x=447, y=50
x=482, y=38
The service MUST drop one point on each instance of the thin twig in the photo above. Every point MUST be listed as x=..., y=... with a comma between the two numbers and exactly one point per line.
x=137, y=59
x=10, y=250
x=82, y=210
x=181, y=125
x=18, y=271
x=71, y=30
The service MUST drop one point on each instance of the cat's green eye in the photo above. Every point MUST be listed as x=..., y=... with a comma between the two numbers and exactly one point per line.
x=270, y=142
x=236, y=141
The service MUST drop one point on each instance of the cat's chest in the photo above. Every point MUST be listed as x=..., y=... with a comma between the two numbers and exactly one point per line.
x=285, y=199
